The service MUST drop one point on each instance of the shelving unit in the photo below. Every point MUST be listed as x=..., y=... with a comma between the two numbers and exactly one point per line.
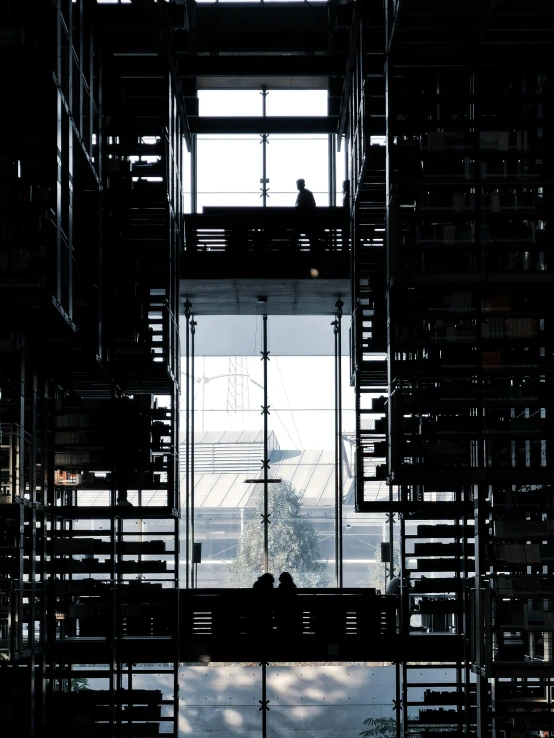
x=432, y=707
x=89, y=505
x=469, y=342
x=514, y=651
x=22, y=559
x=366, y=123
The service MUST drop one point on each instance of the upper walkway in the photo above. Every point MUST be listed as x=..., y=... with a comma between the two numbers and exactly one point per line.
x=298, y=259
x=234, y=625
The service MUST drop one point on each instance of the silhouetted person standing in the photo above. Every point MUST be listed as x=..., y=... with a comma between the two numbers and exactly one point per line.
x=346, y=195
x=305, y=198
x=287, y=611
x=306, y=201
x=261, y=615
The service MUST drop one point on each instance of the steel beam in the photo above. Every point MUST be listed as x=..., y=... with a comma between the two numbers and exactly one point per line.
x=263, y=65
x=308, y=125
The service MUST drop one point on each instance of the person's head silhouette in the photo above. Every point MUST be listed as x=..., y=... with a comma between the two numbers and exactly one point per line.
x=286, y=581
x=300, y=184
x=265, y=581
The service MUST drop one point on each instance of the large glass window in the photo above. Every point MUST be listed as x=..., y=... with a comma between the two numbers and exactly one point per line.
x=230, y=102
x=228, y=171
x=230, y=167
x=297, y=157
x=297, y=102
x=228, y=451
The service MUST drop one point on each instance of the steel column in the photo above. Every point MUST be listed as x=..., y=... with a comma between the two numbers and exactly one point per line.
x=193, y=173
x=338, y=443
x=332, y=168
x=264, y=709
x=187, y=446
x=264, y=141
x=265, y=413
x=191, y=488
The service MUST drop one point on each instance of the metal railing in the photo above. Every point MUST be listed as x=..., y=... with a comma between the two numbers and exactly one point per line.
x=222, y=229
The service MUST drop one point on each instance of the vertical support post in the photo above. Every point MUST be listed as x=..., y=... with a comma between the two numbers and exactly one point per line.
x=33, y=432
x=398, y=700
x=346, y=163
x=192, y=333
x=338, y=443
x=187, y=446
x=482, y=614
x=337, y=489
x=265, y=413
x=332, y=169
x=264, y=141
x=339, y=306
x=59, y=146
x=82, y=71
x=94, y=53
x=263, y=702
x=404, y=600
x=193, y=173
x=391, y=539
x=70, y=133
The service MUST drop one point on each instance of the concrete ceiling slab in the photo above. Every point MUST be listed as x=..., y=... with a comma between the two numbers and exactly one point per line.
x=284, y=297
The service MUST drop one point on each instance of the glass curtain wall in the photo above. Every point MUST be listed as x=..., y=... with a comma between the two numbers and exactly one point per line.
x=228, y=453
x=228, y=394
x=230, y=166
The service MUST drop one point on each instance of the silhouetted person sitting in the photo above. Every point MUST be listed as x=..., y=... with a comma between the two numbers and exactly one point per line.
x=306, y=201
x=287, y=609
x=265, y=581
x=286, y=582
x=261, y=615
x=393, y=588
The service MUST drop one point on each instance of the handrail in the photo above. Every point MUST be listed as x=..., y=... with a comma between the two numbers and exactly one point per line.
x=221, y=229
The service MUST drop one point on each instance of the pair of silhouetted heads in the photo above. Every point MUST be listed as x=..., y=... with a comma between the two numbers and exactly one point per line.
x=266, y=581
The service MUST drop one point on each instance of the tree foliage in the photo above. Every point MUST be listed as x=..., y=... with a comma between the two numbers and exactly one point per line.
x=379, y=727
x=385, y=727
x=293, y=543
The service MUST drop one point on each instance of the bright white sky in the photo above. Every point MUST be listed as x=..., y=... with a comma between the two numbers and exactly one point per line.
x=301, y=396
